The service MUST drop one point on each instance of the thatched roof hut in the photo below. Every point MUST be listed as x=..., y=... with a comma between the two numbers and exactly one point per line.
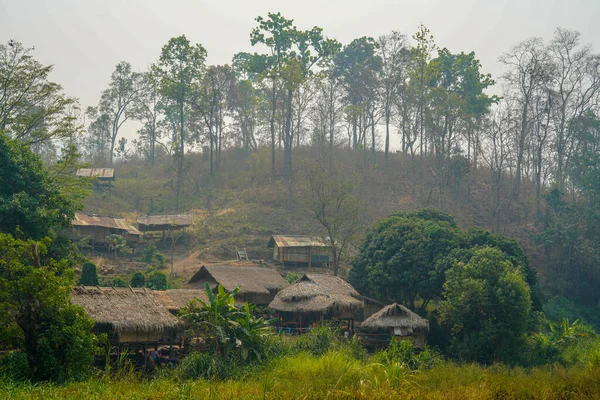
x=258, y=285
x=175, y=299
x=133, y=314
x=395, y=316
x=322, y=294
x=397, y=320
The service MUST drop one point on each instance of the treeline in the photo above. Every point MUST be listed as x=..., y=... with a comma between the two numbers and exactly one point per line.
x=305, y=89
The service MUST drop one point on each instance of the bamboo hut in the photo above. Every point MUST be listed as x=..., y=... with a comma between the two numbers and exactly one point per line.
x=103, y=175
x=164, y=223
x=394, y=321
x=316, y=298
x=97, y=228
x=300, y=250
x=175, y=299
x=127, y=315
x=258, y=285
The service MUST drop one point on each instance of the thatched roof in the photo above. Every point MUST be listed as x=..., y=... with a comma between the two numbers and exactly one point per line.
x=395, y=316
x=149, y=222
x=175, y=299
x=297, y=241
x=126, y=309
x=100, y=173
x=318, y=293
x=255, y=280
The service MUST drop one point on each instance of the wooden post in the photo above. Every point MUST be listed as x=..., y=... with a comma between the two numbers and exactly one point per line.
x=282, y=257
x=309, y=256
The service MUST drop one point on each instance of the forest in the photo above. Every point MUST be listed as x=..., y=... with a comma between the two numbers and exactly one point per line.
x=438, y=186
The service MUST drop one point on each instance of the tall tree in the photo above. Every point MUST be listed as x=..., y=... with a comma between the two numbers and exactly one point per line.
x=146, y=108
x=179, y=68
x=357, y=66
x=32, y=108
x=393, y=50
x=116, y=100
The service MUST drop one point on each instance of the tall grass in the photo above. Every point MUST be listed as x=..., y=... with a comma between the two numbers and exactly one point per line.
x=338, y=375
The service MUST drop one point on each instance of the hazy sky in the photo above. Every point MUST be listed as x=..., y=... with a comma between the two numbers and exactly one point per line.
x=85, y=39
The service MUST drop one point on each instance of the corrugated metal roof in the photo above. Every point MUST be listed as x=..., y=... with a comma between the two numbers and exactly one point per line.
x=100, y=173
x=297, y=241
x=175, y=220
x=105, y=222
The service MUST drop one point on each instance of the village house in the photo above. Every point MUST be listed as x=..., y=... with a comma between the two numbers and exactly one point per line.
x=97, y=228
x=393, y=322
x=102, y=175
x=127, y=315
x=315, y=298
x=164, y=223
x=308, y=251
x=258, y=285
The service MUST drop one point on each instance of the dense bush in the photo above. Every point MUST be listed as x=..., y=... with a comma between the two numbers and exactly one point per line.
x=138, y=280
x=89, y=274
x=157, y=281
x=487, y=301
x=317, y=342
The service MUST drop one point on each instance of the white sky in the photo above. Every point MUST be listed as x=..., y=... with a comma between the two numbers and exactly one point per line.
x=85, y=39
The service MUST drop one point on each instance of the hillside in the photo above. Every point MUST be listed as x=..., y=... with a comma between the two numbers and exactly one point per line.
x=242, y=205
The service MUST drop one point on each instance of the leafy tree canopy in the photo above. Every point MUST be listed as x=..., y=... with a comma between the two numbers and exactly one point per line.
x=31, y=201
x=487, y=302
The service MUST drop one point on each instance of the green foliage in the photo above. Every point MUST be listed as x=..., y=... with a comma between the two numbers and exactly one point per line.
x=487, y=301
x=398, y=258
x=157, y=281
x=89, y=274
x=118, y=282
x=317, y=342
x=14, y=366
x=32, y=203
x=117, y=244
x=230, y=331
x=153, y=257
x=551, y=345
x=138, y=280
x=402, y=351
x=35, y=290
x=292, y=277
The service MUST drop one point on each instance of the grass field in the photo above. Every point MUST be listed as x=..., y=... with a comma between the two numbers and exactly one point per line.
x=336, y=375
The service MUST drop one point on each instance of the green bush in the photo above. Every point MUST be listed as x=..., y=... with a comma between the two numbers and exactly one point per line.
x=14, y=366
x=153, y=257
x=138, y=280
x=204, y=366
x=89, y=274
x=157, y=281
x=118, y=282
x=403, y=352
x=317, y=342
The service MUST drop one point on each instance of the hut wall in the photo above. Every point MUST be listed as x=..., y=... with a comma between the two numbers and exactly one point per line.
x=140, y=337
x=301, y=254
x=370, y=308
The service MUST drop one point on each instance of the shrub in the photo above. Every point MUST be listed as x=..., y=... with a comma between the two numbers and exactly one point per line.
x=138, y=280
x=157, y=281
x=14, y=366
x=89, y=274
x=403, y=352
x=118, y=282
x=317, y=342
x=153, y=257
x=205, y=366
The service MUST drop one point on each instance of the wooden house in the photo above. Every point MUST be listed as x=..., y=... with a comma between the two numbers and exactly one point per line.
x=97, y=228
x=102, y=175
x=393, y=322
x=127, y=315
x=258, y=285
x=300, y=250
x=316, y=298
x=164, y=223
